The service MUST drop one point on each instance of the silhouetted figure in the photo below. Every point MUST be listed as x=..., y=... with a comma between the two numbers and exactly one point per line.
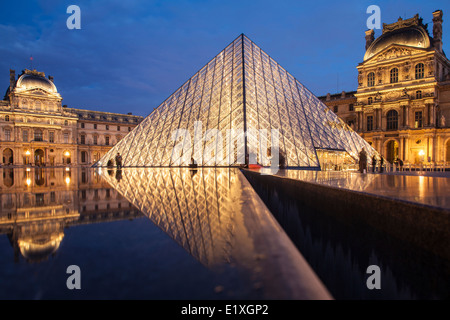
x=362, y=161
x=400, y=163
x=381, y=164
x=193, y=164
x=374, y=163
x=118, y=161
x=119, y=175
x=282, y=159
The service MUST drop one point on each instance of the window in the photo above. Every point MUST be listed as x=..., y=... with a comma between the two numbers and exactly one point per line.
x=95, y=126
x=83, y=139
x=371, y=79
x=6, y=118
x=394, y=75
x=25, y=136
x=418, y=116
x=66, y=123
x=392, y=120
x=118, y=128
x=7, y=135
x=95, y=139
x=369, y=123
x=418, y=94
x=129, y=129
x=83, y=156
x=370, y=100
x=420, y=71
x=82, y=125
x=38, y=135
x=66, y=137
x=51, y=136
x=107, y=141
x=336, y=109
x=107, y=127
x=350, y=107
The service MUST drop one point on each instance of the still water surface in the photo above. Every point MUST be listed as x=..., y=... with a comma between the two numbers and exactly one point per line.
x=177, y=245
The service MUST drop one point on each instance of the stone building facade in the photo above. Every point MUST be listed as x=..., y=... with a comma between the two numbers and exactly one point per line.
x=36, y=129
x=402, y=103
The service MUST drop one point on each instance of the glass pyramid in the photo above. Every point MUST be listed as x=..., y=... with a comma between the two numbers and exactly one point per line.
x=240, y=90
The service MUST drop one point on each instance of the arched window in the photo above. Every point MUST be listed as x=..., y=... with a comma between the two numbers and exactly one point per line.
x=370, y=100
x=418, y=94
x=420, y=71
x=392, y=120
x=394, y=75
x=371, y=79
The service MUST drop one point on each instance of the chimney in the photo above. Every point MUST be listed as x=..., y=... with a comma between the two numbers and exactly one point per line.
x=50, y=78
x=437, y=30
x=12, y=79
x=370, y=36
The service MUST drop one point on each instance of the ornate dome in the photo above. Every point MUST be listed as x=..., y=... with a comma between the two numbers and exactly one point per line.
x=37, y=249
x=413, y=36
x=35, y=80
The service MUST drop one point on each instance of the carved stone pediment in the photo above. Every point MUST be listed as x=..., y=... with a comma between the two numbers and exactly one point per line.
x=395, y=52
x=394, y=95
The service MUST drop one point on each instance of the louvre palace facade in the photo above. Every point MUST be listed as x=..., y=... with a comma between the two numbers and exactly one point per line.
x=402, y=102
x=36, y=129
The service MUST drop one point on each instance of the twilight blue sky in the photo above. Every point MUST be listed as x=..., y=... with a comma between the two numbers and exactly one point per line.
x=131, y=55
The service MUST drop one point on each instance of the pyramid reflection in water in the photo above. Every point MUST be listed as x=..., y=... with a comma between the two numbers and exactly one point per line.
x=241, y=90
x=195, y=208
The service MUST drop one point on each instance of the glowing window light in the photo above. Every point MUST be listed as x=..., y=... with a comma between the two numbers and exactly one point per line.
x=67, y=180
x=28, y=182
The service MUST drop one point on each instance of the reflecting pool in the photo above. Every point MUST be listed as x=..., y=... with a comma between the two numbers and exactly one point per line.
x=340, y=247
x=139, y=234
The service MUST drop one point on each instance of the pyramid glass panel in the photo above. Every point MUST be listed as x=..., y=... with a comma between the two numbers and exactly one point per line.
x=230, y=112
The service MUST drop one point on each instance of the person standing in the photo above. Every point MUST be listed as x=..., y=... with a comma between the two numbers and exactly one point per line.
x=374, y=163
x=400, y=163
x=362, y=161
x=381, y=164
x=118, y=161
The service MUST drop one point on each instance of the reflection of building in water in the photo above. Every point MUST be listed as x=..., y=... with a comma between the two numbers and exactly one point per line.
x=194, y=207
x=37, y=204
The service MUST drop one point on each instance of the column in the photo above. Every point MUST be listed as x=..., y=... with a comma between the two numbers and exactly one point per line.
x=432, y=114
x=407, y=116
x=406, y=147
x=380, y=123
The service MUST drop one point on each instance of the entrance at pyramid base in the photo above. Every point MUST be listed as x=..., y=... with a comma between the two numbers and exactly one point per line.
x=336, y=160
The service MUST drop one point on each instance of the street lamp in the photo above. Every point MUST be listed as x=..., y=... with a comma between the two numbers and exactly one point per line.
x=27, y=155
